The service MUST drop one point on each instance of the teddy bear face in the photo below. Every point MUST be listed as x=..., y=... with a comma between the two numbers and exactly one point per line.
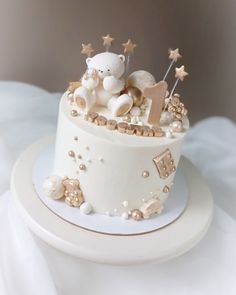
x=107, y=64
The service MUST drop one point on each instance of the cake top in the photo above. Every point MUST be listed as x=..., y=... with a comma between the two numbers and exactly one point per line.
x=132, y=103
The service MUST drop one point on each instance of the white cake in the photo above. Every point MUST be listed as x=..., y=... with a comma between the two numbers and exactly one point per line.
x=115, y=153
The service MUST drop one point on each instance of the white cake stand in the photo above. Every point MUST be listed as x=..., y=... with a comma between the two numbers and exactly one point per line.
x=157, y=246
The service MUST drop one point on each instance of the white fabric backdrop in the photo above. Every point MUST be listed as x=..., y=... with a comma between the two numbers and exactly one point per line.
x=26, y=114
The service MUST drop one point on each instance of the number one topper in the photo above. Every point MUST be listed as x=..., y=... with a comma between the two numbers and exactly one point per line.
x=157, y=94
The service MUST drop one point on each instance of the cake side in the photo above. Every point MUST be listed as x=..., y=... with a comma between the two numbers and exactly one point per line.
x=117, y=172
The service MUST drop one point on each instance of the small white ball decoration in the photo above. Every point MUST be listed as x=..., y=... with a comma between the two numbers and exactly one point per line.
x=135, y=111
x=177, y=126
x=125, y=204
x=165, y=118
x=86, y=208
x=169, y=133
x=133, y=120
x=53, y=187
x=125, y=215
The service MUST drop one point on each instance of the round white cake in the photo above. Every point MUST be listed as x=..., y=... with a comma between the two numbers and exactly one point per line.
x=117, y=172
x=119, y=138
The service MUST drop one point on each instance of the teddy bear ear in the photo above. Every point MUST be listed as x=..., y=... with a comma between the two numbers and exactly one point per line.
x=122, y=57
x=88, y=60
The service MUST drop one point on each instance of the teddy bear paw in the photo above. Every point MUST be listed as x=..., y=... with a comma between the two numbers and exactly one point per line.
x=121, y=105
x=84, y=98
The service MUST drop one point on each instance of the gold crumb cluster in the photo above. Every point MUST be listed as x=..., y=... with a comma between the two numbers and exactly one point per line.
x=124, y=127
x=176, y=108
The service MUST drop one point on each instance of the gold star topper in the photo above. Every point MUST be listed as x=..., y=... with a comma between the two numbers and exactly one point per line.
x=180, y=73
x=107, y=40
x=129, y=46
x=174, y=54
x=87, y=49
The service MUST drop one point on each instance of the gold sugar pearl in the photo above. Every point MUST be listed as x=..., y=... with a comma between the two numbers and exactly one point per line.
x=71, y=154
x=166, y=189
x=82, y=167
x=100, y=120
x=74, y=113
x=111, y=124
x=145, y=173
x=122, y=126
x=136, y=214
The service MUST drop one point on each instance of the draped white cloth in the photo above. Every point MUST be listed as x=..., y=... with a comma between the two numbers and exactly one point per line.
x=28, y=113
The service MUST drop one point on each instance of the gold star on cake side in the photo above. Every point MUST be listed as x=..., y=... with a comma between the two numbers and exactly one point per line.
x=87, y=49
x=129, y=46
x=180, y=73
x=107, y=40
x=174, y=54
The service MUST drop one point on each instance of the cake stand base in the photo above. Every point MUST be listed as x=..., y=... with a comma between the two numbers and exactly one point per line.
x=157, y=246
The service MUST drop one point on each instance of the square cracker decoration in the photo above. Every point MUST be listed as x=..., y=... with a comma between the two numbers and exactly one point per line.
x=165, y=164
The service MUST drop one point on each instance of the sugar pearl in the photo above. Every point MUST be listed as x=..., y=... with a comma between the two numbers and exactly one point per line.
x=82, y=167
x=177, y=126
x=86, y=208
x=125, y=203
x=145, y=174
x=169, y=133
x=125, y=215
x=135, y=111
x=165, y=118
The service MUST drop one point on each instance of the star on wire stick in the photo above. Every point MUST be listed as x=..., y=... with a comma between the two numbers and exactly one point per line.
x=107, y=41
x=174, y=55
x=87, y=49
x=128, y=49
x=179, y=75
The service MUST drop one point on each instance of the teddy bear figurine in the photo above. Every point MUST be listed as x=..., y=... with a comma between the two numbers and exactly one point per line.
x=102, y=84
x=73, y=194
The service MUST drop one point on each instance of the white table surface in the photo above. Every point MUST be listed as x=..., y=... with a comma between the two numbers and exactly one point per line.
x=28, y=113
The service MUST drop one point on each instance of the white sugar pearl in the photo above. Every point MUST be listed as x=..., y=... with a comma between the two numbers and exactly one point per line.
x=125, y=204
x=169, y=133
x=133, y=120
x=125, y=215
x=135, y=111
x=165, y=118
x=177, y=126
x=86, y=208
